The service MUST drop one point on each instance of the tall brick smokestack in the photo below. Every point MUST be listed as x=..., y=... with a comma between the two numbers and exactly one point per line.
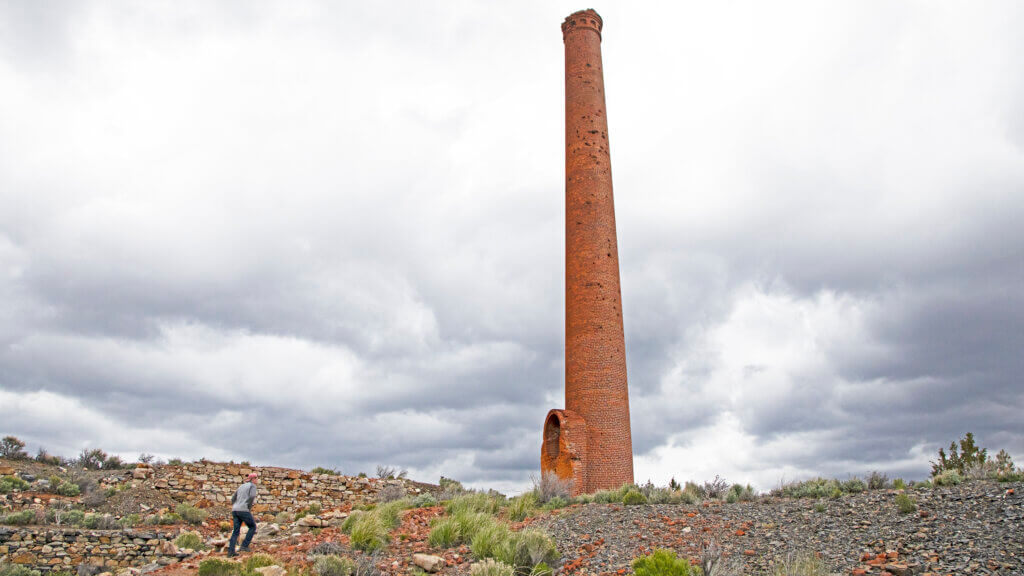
x=589, y=441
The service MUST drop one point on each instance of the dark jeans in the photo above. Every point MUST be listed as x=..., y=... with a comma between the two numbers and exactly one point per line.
x=240, y=518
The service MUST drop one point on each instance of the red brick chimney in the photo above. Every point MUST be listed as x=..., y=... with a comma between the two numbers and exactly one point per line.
x=589, y=441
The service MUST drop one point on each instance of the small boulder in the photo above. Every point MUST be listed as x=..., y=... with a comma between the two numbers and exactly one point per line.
x=428, y=562
x=310, y=522
x=167, y=548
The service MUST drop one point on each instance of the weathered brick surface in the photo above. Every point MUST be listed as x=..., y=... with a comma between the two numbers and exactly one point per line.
x=596, y=389
x=63, y=549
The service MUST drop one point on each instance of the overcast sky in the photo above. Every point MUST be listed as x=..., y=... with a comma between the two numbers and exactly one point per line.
x=331, y=234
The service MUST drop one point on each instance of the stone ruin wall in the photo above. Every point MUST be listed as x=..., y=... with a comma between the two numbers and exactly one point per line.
x=57, y=549
x=211, y=485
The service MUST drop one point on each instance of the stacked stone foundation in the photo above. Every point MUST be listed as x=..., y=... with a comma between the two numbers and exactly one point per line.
x=56, y=549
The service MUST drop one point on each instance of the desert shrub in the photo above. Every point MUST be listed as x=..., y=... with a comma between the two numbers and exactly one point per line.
x=16, y=570
x=814, y=488
x=526, y=549
x=923, y=485
x=346, y=526
x=390, y=473
x=606, y=496
x=551, y=486
x=853, y=486
x=740, y=493
x=800, y=565
x=947, y=478
x=444, y=533
x=819, y=507
x=968, y=455
x=282, y=518
x=190, y=513
x=333, y=565
x=13, y=448
x=369, y=533
x=327, y=549
x=661, y=562
x=175, y=462
x=556, y=503
x=100, y=522
x=899, y=484
x=190, y=540
x=905, y=504
x=218, y=567
x=391, y=493
x=712, y=562
x=68, y=489
x=584, y=499
x=255, y=561
x=474, y=502
x=716, y=488
x=877, y=480
x=22, y=518
x=130, y=521
x=491, y=567
x=449, y=488
x=487, y=539
x=322, y=470
x=424, y=501
x=633, y=498
x=662, y=496
x=73, y=517
x=11, y=483
x=44, y=457
x=981, y=470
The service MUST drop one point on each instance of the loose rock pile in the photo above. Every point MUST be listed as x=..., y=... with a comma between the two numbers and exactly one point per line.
x=974, y=528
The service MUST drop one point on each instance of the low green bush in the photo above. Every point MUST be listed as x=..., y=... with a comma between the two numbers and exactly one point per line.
x=322, y=470
x=424, y=501
x=190, y=540
x=255, y=561
x=905, y=504
x=17, y=570
x=853, y=486
x=68, y=489
x=22, y=518
x=899, y=484
x=947, y=478
x=219, y=567
x=661, y=563
x=9, y=484
x=190, y=513
x=333, y=565
x=633, y=498
x=556, y=502
x=740, y=493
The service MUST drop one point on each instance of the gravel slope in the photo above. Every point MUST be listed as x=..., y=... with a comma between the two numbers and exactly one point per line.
x=974, y=528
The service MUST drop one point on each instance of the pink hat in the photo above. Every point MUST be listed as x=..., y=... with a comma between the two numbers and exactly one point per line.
x=253, y=475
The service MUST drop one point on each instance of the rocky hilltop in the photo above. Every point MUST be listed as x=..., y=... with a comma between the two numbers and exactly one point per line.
x=171, y=519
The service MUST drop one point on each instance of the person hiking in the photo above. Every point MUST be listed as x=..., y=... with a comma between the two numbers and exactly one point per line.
x=241, y=513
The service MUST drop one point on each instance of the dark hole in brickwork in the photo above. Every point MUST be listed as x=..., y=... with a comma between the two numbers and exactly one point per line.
x=552, y=432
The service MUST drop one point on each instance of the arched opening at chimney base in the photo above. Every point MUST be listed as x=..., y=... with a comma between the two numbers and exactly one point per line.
x=552, y=435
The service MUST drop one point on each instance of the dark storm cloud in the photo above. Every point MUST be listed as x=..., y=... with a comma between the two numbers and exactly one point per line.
x=332, y=234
